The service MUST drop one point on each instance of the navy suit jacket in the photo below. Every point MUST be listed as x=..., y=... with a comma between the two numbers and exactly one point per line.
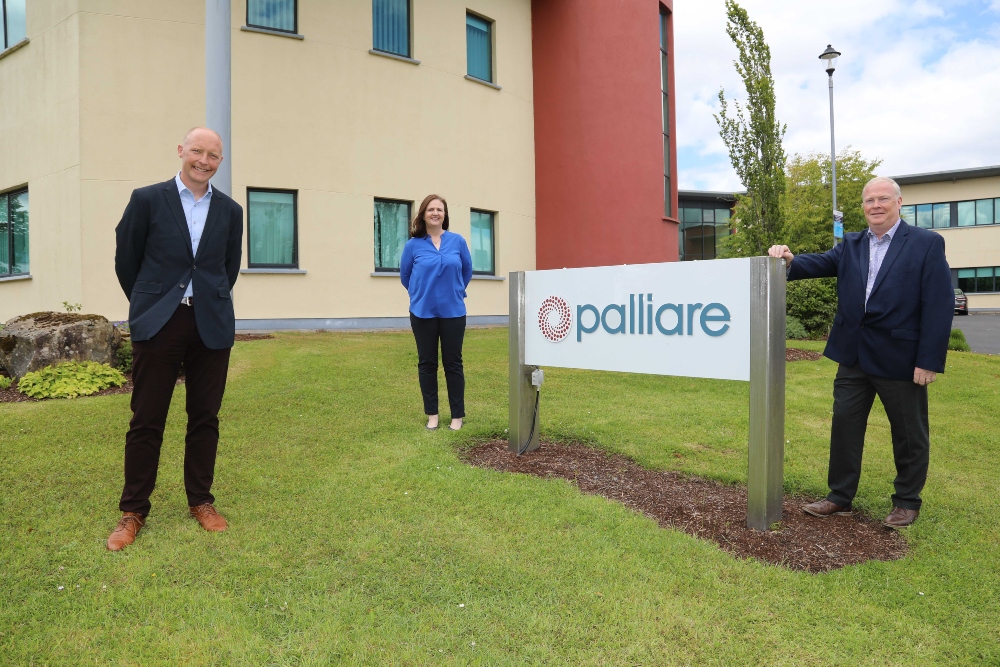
x=154, y=263
x=908, y=318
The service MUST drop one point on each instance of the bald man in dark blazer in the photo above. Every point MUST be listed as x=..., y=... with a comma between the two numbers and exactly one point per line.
x=179, y=247
x=890, y=337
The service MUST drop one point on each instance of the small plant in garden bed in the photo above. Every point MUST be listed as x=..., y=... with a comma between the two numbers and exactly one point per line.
x=123, y=357
x=5, y=382
x=957, y=341
x=70, y=380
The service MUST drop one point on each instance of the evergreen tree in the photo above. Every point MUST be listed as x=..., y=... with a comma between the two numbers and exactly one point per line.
x=753, y=136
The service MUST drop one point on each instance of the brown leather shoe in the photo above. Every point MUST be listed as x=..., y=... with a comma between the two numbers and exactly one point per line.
x=209, y=518
x=824, y=508
x=900, y=517
x=125, y=532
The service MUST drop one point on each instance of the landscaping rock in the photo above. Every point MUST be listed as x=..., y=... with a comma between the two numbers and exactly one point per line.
x=31, y=342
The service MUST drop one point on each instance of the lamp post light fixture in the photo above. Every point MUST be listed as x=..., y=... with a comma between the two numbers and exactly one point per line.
x=830, y=60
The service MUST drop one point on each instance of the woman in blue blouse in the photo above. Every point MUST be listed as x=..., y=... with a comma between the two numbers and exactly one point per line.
x=435, y=269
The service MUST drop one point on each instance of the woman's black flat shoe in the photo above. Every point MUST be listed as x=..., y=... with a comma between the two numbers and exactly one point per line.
x=431, y=428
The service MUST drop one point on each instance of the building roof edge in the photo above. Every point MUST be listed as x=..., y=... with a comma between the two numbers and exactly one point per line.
x=951, y=175
x=707, y=194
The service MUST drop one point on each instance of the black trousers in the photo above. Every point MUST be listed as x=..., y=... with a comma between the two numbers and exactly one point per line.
x=905, y=405
x=155, y=365
x=451, y=332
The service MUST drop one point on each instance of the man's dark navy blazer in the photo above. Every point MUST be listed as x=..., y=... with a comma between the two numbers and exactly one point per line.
x=907, y=322
x=154, y=263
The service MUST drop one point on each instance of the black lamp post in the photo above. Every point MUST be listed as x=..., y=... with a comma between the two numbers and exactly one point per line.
x=830, y=57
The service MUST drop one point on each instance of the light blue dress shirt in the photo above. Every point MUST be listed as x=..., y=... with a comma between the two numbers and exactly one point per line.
x=195, y=213
x=876, y=253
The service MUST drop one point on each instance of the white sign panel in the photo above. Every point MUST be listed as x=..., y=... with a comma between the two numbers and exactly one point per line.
x=678, y=318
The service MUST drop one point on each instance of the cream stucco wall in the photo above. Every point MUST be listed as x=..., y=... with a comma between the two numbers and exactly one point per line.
x=959, y=190
x=965, y=247
x=40, y=149
x=322, y=116
x=343, y=126
x=142, y=86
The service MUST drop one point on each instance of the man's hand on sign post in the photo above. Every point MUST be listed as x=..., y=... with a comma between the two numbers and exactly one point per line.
x=781, y=251
x=922, y=377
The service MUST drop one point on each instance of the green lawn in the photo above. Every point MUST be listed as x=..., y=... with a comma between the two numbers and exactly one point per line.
x=356, y=536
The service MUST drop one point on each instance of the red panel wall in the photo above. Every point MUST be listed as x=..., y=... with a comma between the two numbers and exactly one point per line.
x=599, y=133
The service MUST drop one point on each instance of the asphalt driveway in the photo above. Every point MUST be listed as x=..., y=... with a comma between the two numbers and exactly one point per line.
x=982, y=331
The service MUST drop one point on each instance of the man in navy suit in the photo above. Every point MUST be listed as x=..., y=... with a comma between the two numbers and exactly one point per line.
x=179, y=247
x=890, y=337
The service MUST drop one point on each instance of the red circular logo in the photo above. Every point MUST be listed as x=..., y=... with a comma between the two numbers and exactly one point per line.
x=555, y=318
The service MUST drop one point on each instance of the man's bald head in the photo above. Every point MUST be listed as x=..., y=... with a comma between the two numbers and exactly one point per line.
x=200, y=154
x=202, y=133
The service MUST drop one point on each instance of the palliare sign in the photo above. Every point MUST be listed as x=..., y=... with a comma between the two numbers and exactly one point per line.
x=678, y=318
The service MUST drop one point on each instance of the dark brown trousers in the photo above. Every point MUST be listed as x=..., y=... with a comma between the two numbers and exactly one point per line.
x=155, y=366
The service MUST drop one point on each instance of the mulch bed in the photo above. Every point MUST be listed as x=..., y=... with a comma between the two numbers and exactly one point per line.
x=240, y=337
x=795, y=354
x=704, y=508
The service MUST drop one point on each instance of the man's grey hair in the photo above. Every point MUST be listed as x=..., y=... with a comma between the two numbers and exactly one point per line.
x=882, y=179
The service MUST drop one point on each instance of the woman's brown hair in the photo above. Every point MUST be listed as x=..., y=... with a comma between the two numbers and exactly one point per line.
x=418, y=228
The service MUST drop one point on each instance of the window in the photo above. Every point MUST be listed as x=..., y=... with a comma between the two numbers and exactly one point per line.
x=14, y=23
x=953, y=214
x=942, y=215
x=479, y=47
x=702, y=226
x=966, y=213
x=272, y=234
x=979, y=279
x=483, y=247
x=392, y=229
x=925, y=216
x=14, y=233
x=273, y=15
x=984, y=211
x=391, y=26
x=664, y=89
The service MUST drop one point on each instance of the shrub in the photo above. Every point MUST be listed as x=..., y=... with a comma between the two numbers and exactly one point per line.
x=5, y=382
x=813, y=303
x=123, y=357
x=794, y=328
x=957, y=341
x=69, y=380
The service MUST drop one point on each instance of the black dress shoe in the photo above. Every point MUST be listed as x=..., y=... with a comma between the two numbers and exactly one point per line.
x=900, y=517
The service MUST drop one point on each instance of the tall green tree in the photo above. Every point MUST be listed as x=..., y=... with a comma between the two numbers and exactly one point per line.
x=753, y=136
x=808, y=203
x=808, y=213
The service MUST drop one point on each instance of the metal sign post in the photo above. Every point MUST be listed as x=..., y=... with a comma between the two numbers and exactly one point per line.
x=521, y=405
x=765, y=474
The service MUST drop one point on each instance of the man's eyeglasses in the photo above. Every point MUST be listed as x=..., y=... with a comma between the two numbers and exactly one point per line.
x=881, y=200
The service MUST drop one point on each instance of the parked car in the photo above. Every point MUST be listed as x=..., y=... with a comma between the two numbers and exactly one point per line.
x=961, y=302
